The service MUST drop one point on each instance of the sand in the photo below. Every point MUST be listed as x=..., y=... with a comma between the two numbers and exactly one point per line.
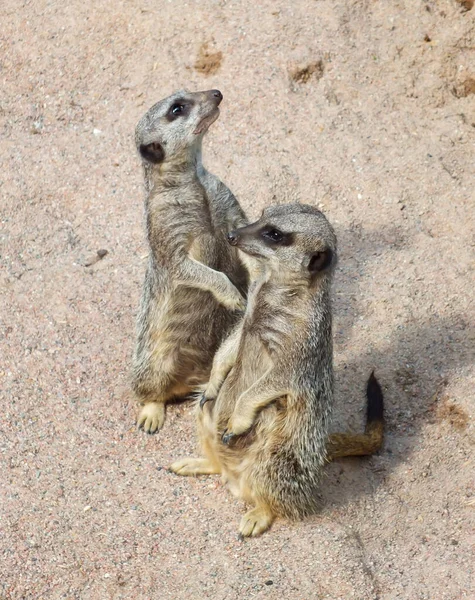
x=365, y=109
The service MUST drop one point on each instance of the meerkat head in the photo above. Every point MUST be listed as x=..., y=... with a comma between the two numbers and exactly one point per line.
x=293, y=240
x=172, y=130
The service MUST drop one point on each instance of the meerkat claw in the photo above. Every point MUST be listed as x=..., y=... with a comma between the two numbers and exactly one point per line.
x=151, y=417
x=255, y=522
x=241, y=306
x=204, y=399
x=227, y=437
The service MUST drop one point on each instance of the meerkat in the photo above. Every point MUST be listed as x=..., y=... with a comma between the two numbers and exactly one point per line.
x=264, y=416
x=341, y=445
x=195, y=284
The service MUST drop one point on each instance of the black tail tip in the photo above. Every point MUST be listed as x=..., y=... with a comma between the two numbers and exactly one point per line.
x=374, y=394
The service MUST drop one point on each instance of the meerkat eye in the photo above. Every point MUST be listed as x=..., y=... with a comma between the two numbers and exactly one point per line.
x=274, y=235
x=180, y=108
x=177, y=109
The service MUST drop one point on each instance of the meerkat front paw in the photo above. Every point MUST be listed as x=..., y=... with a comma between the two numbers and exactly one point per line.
x=231, y=297
x=236, y=426
x=255, y=522
x=193, y=466
x=151, y=417
x=236, y=303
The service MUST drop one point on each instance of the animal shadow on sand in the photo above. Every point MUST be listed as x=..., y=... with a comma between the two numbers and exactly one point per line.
x=413, y=365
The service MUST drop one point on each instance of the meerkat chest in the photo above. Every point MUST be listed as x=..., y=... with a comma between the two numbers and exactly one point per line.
x=252, y=362
x=270, y=319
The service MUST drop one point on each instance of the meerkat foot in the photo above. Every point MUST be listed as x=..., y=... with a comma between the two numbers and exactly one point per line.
x=151, y=417
x=233, y=300
x=255, y=522
x=193, y=466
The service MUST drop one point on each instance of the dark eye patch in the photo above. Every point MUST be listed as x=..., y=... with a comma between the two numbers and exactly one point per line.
x=275, y=237
x=180, y=108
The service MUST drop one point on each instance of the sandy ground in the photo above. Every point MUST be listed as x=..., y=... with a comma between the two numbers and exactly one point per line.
x=366, y=109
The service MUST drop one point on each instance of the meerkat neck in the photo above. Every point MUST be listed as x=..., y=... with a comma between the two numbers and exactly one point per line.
x=169, y=175
x=290, y=284
x=180, y=170
x=321, y=325
x=199, y=160
x=301, y=303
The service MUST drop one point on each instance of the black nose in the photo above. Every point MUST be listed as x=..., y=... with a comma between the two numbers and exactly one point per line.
x=233, y=238
x=217, y=94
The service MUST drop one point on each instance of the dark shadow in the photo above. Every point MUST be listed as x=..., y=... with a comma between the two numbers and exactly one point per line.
x=358, y=248
x=412, y=368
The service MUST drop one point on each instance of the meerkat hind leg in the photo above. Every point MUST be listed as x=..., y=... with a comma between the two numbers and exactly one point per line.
x=194, y=466
x=256, y=521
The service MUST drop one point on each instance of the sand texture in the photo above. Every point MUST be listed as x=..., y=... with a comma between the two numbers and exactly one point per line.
x=365, y=109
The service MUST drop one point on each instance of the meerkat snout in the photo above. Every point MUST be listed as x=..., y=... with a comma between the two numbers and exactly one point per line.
x=232, y=238
x=217, y=94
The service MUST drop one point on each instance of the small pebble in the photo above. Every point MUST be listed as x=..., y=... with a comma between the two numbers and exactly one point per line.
x=96, y=258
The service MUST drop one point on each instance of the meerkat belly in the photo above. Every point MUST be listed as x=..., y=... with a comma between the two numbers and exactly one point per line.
x=194, y=345
x=187, y=325
x=252, y=364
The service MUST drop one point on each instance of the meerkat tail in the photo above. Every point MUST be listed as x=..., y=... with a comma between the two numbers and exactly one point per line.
x=374, y=412
x=369, y=442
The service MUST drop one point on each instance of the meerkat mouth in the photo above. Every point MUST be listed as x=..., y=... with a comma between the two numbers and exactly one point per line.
x=250, y=252
x=206, y=121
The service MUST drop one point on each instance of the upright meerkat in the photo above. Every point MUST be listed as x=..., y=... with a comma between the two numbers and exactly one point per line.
x=194, y=283
x=263, y=421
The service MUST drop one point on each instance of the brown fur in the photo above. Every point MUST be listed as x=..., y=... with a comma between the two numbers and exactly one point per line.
x=341, y=445
x=195, y=282
x=266, y=409
x=271, y=388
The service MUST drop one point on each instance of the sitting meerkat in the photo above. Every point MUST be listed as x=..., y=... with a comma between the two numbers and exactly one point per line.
x=264, y=417
x=194, y=283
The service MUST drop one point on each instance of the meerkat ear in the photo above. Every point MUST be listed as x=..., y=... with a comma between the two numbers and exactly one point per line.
x=319, y=261
x=153, y=152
